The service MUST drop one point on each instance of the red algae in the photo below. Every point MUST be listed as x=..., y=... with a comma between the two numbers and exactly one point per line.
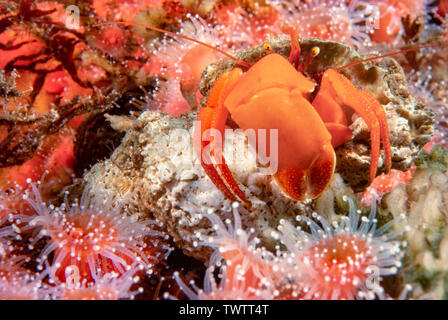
x=52, y=163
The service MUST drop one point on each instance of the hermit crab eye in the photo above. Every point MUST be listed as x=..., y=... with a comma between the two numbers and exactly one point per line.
x=315, y=51
x=267, y=47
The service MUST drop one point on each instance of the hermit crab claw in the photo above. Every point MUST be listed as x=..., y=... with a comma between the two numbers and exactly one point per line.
x=309, y=183
x=306, y=158
x=207, y=146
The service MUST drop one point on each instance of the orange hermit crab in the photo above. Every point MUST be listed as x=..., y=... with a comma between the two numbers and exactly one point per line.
x=275, y=94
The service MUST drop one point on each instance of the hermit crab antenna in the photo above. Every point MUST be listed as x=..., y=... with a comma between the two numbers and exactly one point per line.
x=305, y=63
x=237, y=61
x=296, y=51
x=395, y=53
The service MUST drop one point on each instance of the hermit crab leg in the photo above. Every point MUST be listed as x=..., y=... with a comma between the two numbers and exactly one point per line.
x=345, y=93
x=214, y=116
x=204, y=117
x=381, y=115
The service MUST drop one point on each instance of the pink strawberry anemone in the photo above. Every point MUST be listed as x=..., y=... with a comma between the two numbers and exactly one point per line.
x=344, y=261
x=110, y=286
x=329, y=19
x=179, y=63
x=245, y=272
x=91, y=237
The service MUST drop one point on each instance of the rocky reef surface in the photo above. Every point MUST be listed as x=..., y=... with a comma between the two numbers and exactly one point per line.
x=157, y=165
x=424, y=201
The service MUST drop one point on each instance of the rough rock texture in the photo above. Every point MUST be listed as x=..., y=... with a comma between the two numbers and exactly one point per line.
x=157, y=159
x=411, y=124
x=425, y=201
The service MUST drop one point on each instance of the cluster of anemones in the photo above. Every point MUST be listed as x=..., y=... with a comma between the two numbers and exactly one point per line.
x=85, y=250
x=345, y=260
x=358, y=23
x=245, y=272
